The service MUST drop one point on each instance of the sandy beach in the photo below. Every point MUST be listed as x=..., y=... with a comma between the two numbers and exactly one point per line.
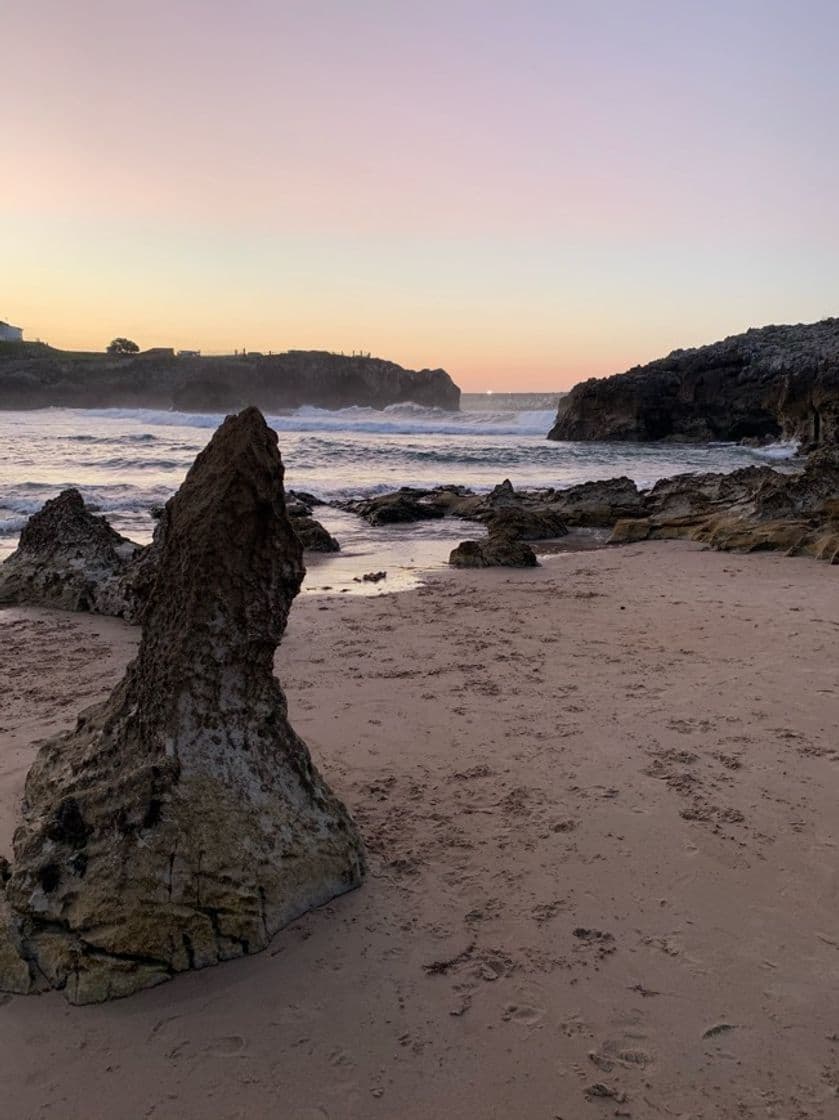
x=599, y=800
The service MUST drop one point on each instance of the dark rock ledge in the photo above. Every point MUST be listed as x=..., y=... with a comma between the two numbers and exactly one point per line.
x=777, y=382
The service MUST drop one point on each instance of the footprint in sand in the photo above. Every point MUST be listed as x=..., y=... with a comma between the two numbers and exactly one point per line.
x=340, y=1059
x=160, y=1024
x=523, y=1013
x=227, y=1047
x=623, y=1054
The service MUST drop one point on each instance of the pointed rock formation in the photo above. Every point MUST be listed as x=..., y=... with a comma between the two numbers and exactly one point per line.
x=71, y=559
x=182, y=822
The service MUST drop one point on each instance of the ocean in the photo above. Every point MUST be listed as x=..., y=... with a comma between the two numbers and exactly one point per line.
x=127, y=461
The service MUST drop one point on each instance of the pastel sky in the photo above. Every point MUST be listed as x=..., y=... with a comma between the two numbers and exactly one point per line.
x=525, y=193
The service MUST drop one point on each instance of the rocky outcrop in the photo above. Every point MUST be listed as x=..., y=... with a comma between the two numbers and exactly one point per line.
x=71, y=559
x=159, y=379
x=528, y=514
x=403, y=505
x=526, y=523
x=311, y=534
x=750, y=510
x=686, y=495
x=182, y=822
x=497, y=550
x=777, y=382
x=598, y=504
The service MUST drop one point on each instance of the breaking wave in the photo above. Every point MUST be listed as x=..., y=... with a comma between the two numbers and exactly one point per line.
x=396, y=419
x=127, y=461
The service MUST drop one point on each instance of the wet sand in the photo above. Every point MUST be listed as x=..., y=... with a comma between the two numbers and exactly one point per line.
x=600, y=804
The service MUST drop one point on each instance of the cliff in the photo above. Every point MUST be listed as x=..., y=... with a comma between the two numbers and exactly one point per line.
x=776, y=382
x=41, y=377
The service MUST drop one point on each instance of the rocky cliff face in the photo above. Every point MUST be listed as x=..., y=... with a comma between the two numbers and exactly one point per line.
x=777, y=382
x=182, y=822
x=158, y=379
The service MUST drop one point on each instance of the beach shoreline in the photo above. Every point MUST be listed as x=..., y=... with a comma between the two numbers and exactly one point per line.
x=598, y=798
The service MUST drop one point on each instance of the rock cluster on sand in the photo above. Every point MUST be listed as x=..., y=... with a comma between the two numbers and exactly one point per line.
x=511, y=520
x=71, y=559
x=746, y=511
x=753, y=508
x=527, y=514
x=511, y=516
x=182, y=822
x=775, y=382
x=496, y=550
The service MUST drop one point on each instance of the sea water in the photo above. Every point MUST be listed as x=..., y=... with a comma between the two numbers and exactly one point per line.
x=128, y=461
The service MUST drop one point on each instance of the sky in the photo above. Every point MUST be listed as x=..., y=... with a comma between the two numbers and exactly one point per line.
x=525, y=193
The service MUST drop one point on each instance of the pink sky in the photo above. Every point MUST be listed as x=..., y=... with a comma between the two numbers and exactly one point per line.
x=525, y=194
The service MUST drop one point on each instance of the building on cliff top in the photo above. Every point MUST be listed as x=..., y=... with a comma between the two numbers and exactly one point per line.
x=8, y=333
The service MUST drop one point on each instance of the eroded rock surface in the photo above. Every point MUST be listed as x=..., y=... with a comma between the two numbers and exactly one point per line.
x=529, y=514
x=311, y=534
x=182, y=822
x=747, y=511
x=497, y=550
x=526, y=523
x=71, y=559
x=598, y=504
x=406, y=504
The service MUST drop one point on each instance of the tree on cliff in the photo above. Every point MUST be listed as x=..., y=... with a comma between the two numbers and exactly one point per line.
x=122, y=346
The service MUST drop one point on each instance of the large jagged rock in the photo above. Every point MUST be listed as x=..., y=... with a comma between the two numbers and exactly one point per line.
x=182, y=822
x=776, y=382
x=71, y=559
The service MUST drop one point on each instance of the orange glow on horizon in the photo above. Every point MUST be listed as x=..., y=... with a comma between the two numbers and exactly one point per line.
x=524, y=197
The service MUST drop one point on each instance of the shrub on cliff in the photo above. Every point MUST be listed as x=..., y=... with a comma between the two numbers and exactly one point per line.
x=122, y=346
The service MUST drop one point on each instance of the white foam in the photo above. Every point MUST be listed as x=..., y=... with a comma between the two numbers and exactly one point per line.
x=397, y=419
x=11, y=526
x=777, y=451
